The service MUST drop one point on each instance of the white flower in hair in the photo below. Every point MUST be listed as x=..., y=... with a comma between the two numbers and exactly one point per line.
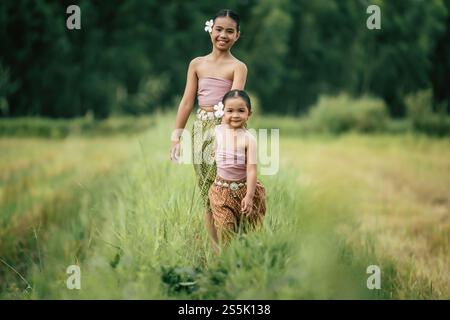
x=219, y=106
x=208, y=25
x=219, y=110
x=219, y=113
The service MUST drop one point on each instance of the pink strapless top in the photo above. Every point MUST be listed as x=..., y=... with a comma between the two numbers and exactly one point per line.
x=231, y=164
x=211, y=90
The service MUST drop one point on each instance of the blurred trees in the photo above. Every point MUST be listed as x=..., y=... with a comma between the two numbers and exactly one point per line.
x=131, y=56
x=401, y=53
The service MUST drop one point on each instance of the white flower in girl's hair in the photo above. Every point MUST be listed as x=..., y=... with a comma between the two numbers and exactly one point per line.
x=218, y=106
x=219, y=113
x=208, y=25
x=219, y=110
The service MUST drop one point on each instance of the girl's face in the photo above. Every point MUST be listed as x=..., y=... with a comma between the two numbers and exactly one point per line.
x=224, y=33
x=236, y=112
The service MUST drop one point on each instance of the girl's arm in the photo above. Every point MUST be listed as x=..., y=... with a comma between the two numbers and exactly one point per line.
x=187, y=102
x=247, y=202
x=239, y=77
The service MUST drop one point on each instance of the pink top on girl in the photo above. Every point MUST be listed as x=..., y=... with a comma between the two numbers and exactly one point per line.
x=231, y=162
x=211, y=90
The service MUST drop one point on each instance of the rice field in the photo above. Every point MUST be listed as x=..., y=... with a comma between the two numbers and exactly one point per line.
x=131, y=220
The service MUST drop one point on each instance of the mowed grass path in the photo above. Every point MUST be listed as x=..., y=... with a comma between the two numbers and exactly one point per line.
x=337, y=205
x=400, y=191
x=50, y=187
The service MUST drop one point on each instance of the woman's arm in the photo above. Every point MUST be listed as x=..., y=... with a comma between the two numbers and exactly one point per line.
x=187, y=102
x=239, y=77
x=247, y=202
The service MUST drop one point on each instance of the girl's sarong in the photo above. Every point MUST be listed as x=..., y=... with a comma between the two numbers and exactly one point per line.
x=226, y=209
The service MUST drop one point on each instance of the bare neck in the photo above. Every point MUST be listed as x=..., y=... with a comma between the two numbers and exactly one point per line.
x=216, y=54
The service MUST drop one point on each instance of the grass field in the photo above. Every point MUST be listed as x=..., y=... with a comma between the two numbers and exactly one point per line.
x=132, y=221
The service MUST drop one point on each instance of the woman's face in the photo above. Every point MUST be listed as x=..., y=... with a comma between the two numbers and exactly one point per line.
x=235, y=112
x=224, y=33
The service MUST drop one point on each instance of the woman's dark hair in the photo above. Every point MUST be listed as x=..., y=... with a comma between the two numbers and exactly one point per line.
x=228, y=13
x=236, y=93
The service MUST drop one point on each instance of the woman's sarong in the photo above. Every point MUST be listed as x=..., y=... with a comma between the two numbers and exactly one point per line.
x=203, y=155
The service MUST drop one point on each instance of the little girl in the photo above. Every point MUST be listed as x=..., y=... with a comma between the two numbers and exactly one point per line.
x=209, y=77
x=237, y=199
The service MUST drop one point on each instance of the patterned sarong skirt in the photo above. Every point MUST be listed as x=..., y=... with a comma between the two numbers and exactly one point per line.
x=203, y=156
x=226, y=208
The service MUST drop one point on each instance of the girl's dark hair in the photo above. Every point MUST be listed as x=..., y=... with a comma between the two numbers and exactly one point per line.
x=236, y=93
x=228, y=13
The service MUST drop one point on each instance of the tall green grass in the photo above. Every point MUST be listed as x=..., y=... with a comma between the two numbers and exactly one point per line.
x=138, y=232
x=82, y=126
x=420, y=112
x=341, y=114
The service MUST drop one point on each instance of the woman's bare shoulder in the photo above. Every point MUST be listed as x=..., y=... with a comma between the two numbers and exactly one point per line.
x=199, y=62
x=195, y=62
x=239, y=74
x=238, y=64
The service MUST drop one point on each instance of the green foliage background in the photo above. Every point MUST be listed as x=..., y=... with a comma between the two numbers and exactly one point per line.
x=132, y=56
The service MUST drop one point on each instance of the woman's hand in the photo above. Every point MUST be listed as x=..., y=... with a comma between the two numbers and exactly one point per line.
x=175, y=151
x=247, y=205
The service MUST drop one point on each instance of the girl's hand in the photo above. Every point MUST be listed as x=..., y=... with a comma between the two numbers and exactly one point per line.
x=175, y=151
x=247, y=205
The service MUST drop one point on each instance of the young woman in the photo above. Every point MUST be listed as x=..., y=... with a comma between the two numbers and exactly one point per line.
x=209, y=77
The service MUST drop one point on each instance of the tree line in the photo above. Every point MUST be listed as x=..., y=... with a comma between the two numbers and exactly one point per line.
x=131, y=56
